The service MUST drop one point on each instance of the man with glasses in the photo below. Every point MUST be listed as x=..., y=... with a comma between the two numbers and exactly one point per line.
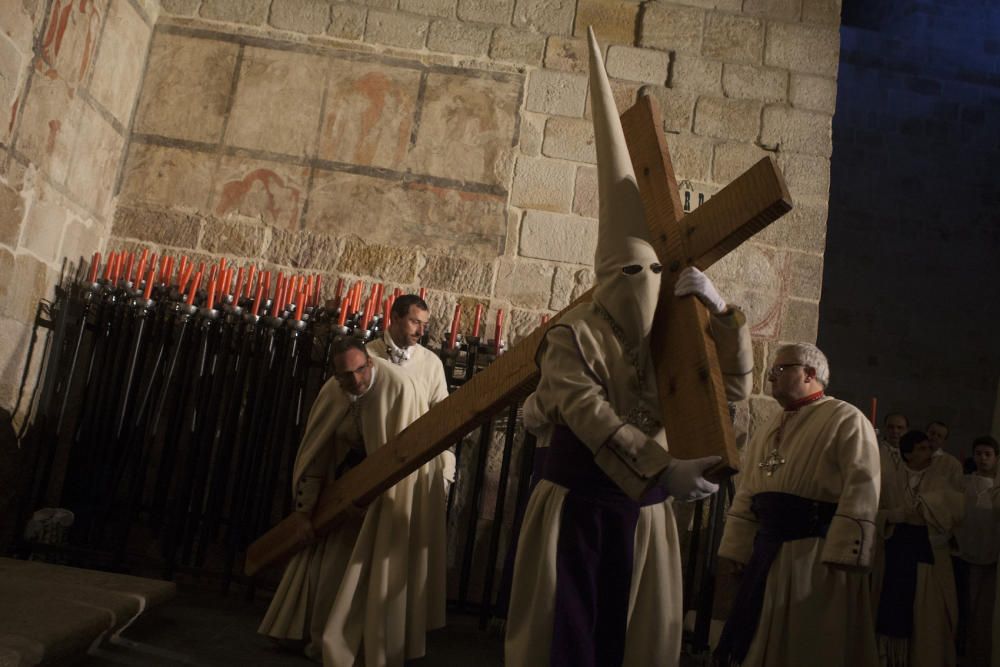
x=378, y=578
x=802, y=524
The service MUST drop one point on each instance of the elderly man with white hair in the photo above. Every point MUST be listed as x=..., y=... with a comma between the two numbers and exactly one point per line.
x=802, y=524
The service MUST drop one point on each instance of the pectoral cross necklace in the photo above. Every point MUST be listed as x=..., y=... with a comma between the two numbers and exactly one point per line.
x=774, y=459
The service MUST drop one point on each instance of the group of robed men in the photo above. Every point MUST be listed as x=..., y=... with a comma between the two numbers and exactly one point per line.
x=597, y=576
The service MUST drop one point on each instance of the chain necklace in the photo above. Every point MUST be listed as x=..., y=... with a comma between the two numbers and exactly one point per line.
x=636, y=415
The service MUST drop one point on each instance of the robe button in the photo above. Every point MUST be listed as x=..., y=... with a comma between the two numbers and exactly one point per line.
x=855, y=550
x=298, y=505
x=857, y=541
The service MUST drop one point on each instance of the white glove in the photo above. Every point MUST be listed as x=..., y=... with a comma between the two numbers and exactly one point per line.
x=685, y=479
x=693, y=281
x=448, y=468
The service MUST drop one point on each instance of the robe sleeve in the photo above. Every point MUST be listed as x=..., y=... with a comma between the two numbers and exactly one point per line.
x=942, y=505
x=741, y=527
x=851, y=537
x=439, y=384
x=732, y=342
x=318, y=449
x=573, y=394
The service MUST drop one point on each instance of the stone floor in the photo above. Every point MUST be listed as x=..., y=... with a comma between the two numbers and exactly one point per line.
x=206, y=629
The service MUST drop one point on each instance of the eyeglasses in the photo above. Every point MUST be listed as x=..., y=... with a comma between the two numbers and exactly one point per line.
x=775, y=371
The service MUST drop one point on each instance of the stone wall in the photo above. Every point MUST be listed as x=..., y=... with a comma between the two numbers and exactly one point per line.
x=447, y=143
x=911, y=313
x=69, y=80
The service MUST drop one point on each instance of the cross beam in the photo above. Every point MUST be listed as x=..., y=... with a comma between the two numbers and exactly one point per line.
x=696, y=417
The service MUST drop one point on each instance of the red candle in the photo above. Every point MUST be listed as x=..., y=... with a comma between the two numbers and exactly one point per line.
x=308, y=288
x=222, y=266
x=116, y=272
x=874, y=412
x=253, y=272
x=342, y=315
x=257, y=298
x=300, y=305
x=423, y=293
x=194, y=288
x=479, y=318
x=279, y=286
x=150, y=277
x=142, y=264
x=340, y=289
x=94, y=266
x=498, y=332
x=127, y=276
x=239, y=285
x=163, y=269
x=388, y=312
x=109, y=267
x=453, y=337
x=267, y=284
x=369, y=307
x=153, y=259
x=318, y=294
x=356, y=301
x=170, y=270
x=545, y=318
x=396, y=293
x=212, y=284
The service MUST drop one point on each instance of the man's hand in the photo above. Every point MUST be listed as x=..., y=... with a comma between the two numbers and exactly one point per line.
x=693, y=281
x=685, y=479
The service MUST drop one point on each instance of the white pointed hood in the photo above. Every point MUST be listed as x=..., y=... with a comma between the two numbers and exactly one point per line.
x=628, y=271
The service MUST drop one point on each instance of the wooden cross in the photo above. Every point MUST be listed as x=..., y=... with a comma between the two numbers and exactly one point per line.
x=695, y=411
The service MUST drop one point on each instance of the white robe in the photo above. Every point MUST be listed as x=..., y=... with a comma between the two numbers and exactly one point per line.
x=589, y=384
x=935, y=498
x=423, y=365
x=377, y=578
x=813, y=614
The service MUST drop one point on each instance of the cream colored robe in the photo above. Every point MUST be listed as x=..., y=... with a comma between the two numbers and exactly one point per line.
x=813, y=614
x=377, y=579
x=594, y=401
x=933, y=497
x=425, y=367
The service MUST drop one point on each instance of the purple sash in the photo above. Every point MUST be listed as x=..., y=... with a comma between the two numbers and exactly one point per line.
x=594, y=556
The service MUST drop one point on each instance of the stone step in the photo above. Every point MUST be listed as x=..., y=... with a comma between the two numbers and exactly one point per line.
x=53, y=613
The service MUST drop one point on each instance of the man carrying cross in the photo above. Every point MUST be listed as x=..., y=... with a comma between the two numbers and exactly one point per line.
x=803, y=525
x=597, y=579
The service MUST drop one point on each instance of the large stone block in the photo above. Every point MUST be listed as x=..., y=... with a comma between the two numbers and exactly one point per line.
x=80, y=241
x=302, y=249
x=407, y=213
x=232, y=237
x=569, y=283
x=252, y=12
x=803, y=48
x=570, y=139
x=24, y=282
x=821, y=11
x=120, y=61
x=395, y=29
x=12, y=65
x=735, y=39
x=17, y=23
x=273, y=192
x=382, y=262
x=800, y=321
x=543, y=184
x=789, y=129
x=97, y=154
x=750, y=82
x=691, y=156
x=444, y=8
x=308, y=16
x=676, y=106
x=520, y=324
x=467, y=127
x=49, y=123
x=805, y=275
x=165, y=227
x=11, y=215
x=486, y=11
x=696, y=75
x=560, y=238
x=186, y=88
x=369, y=114
x=556, y=93
x=465, y=39
x=808, y=176
x=624, y=94
x=585, y=199
x=781, y=10
x=727, y=119
x=180, y=7
x=531, y=133
x=647, y=65
x=813, y=93
x=268, y=75
x=44, y=224
x=168, y=176
x=762, y=409
x=527, y=284
x=513, y=45
x=733, y=158
x=457, y=274
x=347, y=22
x=671, y=28
x=567, y=54
x=614, y=21
x=802, y=228
x=551, y=17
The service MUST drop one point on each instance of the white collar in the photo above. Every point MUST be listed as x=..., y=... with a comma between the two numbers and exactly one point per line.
x=398, y=355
